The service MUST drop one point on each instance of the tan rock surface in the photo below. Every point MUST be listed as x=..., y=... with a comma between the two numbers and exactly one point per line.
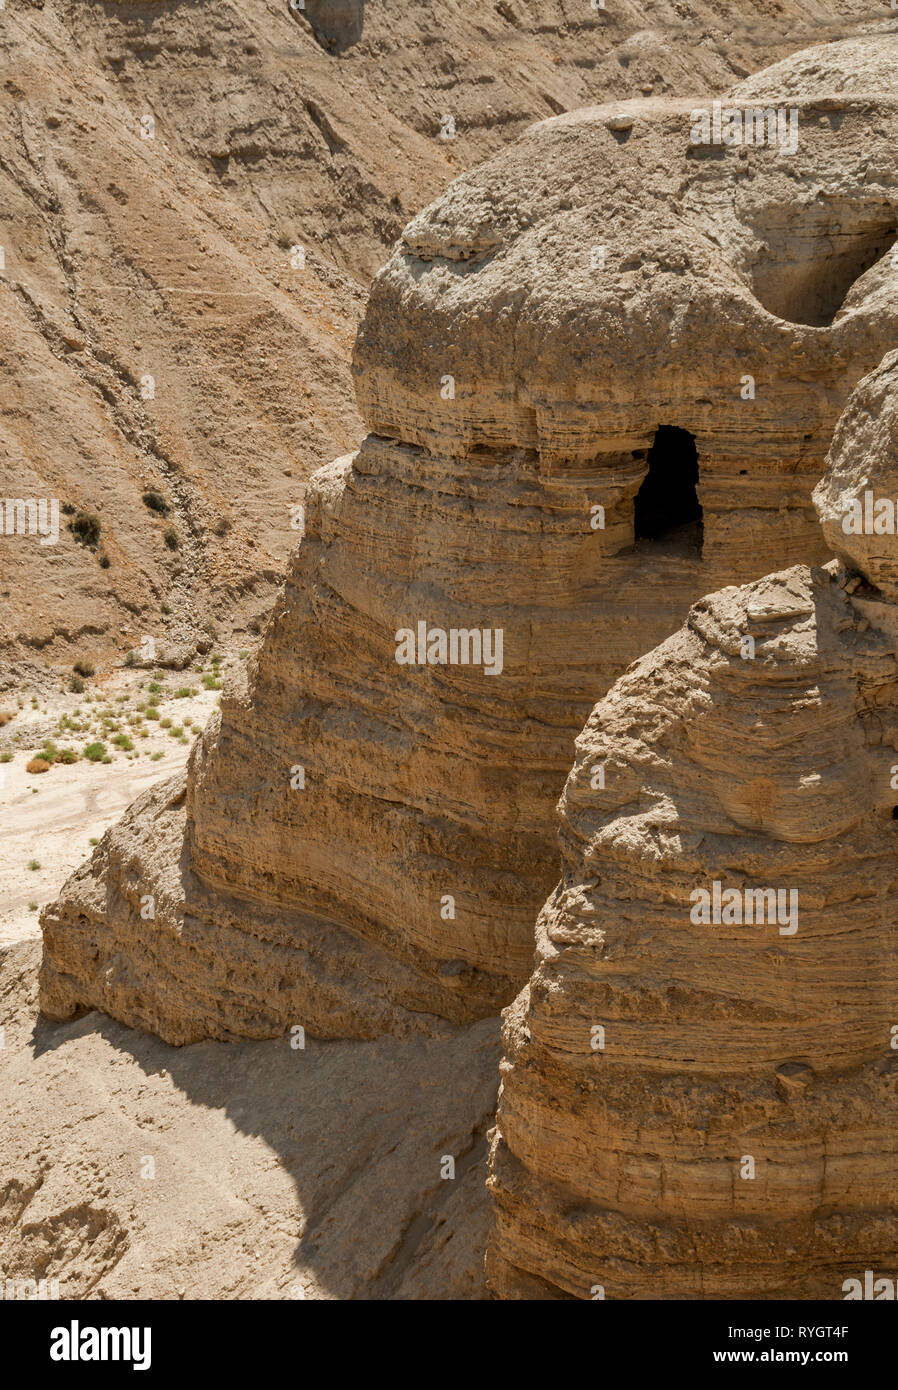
x=325, y=119
x=170, y=257
x=277, y=1173
x=858, y=496
x=156, y=340
x=316, y=1173
x=703, y=1107
x=328, y=903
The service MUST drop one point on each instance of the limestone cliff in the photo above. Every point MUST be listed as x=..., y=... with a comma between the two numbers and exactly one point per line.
x=698, y=1094
x=193, y=197
x=592, y=397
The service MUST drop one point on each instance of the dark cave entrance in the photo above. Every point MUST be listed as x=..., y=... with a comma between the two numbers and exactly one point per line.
x=667, y=505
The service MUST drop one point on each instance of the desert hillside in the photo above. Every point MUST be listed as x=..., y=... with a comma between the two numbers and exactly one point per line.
x=448, y=677
x=193, y=198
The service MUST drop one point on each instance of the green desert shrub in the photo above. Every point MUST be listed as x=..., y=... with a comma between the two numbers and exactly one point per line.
x=156, y=502
x=86, y=528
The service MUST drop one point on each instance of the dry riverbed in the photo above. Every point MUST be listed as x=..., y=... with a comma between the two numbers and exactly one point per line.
x=137, y=727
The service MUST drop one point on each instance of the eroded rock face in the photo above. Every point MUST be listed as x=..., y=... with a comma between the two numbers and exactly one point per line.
x=699, y=1093
x=337, y=24
x=858, y=497
x=581, y=420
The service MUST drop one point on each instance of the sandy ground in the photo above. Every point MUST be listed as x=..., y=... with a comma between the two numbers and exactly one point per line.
x=132, y=1169
x=50, y=818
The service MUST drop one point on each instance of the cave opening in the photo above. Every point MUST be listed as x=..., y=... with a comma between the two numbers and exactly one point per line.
x=666, y=505
x=808, y=279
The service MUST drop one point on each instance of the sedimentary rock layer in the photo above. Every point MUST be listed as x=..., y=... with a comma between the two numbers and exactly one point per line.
x=164, y=164
x=698, y=1094
x=364, y=844
x=857, y=498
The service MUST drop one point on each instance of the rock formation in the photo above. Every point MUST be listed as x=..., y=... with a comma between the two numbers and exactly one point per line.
x=597, y=386
x=698, y=1095
x=197, y=196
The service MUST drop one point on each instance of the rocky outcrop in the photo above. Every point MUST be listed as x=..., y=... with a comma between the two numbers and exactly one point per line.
x=698, y=1095
x=337, y=24
x=583, y=415
x=858, y=496
x=324, y=120
x=193, y=199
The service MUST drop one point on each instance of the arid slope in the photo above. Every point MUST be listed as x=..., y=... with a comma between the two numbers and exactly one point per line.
x=169, y=257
